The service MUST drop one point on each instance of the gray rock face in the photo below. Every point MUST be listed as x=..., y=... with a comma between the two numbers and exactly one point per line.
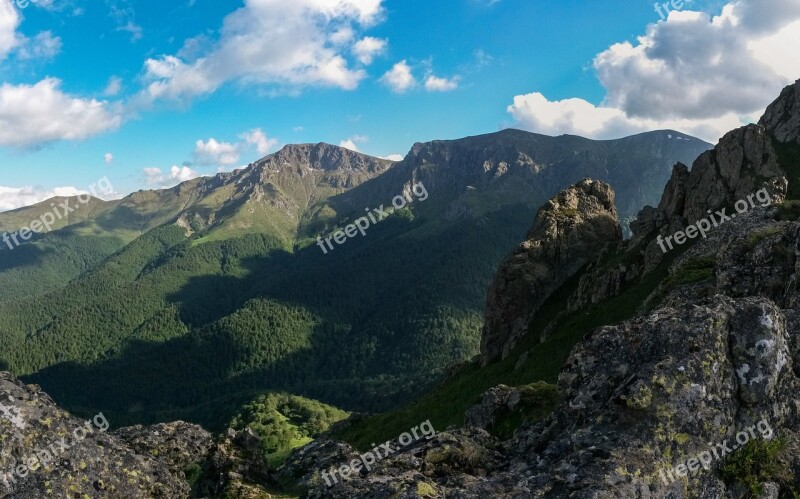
x=178, y=444
x=484, y=415
x=324, y=156
x=451, y=464
x=743, y=162
x=84, y=460
x=570, y=230
x=783, y=116
x=533, y=167
x=647, y=394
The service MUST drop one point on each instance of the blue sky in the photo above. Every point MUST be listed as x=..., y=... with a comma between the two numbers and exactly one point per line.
x=149, y=95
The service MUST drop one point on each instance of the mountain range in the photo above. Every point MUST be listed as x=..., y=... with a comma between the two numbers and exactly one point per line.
x=217, y=285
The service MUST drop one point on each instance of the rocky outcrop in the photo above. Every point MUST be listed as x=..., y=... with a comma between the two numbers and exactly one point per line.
x=782, y=118
x=570, y=230
x=451, y=464
x=177, y=444
x=717, y=357
x=323, y=156
x=46, y=451
x=494, y=402
x=744, y=161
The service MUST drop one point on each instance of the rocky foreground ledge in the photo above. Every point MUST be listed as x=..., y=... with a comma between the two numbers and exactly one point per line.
x=47, y=452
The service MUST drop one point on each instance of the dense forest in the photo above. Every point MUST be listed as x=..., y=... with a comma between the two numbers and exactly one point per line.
x=168, y=328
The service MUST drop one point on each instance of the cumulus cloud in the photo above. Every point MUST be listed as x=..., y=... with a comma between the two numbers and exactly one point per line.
x=400, y=78
x=259, y=140
x=394, y=157
x=436, y=84
x=536, y=113
x=43, y=46
x=9, y=21
x=352, y=142
x=154, y=177
x=12, y=198
x=41, y=113
x=368, y=48
x=284, y=43
x=213, y=152
x=114, y=86
x=698, y=73
x=217, y=153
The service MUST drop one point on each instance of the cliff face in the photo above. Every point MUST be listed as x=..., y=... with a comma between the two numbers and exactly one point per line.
x=783, y=116
x=569, y=231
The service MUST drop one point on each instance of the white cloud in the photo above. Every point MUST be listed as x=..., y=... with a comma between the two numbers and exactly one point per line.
x=9, y=21
x=394, y=157
x=124, y=16
x=578, y=117
x=43, y=46
x=217, y=153
x=108, y=158
x=114, y=86
x=399, y=79
x=368, y=48
x=700, y=74
x=12, y=198
x=177, y=174
x=352, y=142
x=436, y=84
x=34, y=114
x=214, y=152
x=257, y=138
x=284, y=43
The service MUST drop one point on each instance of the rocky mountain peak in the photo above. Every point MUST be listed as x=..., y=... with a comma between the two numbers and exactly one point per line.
x=324, y=157
x=744, y=161
x=570, y=230
x=782, y=118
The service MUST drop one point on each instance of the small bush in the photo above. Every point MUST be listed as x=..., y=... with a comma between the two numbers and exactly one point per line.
x=789, y=210
x=756, y=463
x=537, y=401
x=759, y=235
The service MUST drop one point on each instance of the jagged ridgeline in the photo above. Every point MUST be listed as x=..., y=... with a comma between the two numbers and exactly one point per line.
x=188, y=302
